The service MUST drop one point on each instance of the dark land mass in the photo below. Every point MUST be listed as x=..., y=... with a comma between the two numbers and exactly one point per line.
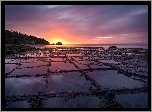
x=16, y=42
x=59, y=43
x=14, y=37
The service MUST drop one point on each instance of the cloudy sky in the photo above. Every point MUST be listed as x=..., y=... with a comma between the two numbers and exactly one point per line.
x=81, y=24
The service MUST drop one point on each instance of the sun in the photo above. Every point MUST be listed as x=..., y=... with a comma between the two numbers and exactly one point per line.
x=56, y=40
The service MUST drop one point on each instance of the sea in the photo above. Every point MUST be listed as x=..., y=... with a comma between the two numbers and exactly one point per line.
x=144, y=46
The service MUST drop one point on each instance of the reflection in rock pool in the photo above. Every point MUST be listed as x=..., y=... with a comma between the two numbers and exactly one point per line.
x=75, y=80
x=78, y=102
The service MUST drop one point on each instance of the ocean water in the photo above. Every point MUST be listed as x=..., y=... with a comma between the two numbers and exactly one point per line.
x=144, y=46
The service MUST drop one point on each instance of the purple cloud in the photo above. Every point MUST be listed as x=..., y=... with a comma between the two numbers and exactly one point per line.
x=85, y=21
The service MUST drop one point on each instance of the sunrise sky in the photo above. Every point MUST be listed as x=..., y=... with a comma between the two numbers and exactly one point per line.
x=81, y=24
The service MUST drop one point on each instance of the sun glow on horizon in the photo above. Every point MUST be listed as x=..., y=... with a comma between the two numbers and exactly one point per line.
x=56, y=40
x=63, y=41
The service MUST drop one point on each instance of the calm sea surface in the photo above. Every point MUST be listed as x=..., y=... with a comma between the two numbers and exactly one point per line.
x=144, y=46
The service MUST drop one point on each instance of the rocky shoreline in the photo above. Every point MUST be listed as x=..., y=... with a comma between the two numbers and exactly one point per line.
x=124, y=61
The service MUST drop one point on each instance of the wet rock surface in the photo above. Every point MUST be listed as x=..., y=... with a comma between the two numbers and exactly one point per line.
x=65, y=74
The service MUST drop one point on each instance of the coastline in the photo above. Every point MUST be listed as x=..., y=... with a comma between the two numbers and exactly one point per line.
x=144, y=46
x=76, y=73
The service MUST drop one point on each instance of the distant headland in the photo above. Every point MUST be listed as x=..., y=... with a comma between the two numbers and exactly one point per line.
x=59, y=43
x=14, y=37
